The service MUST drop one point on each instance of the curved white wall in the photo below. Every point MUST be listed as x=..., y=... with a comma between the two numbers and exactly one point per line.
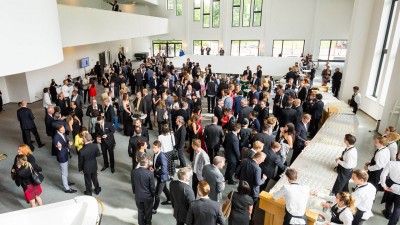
x=30, y=38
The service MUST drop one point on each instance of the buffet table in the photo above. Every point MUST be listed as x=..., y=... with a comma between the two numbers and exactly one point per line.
x=315, y=164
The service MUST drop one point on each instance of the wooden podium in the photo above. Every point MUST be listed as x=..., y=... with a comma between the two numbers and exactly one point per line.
x=275, y=210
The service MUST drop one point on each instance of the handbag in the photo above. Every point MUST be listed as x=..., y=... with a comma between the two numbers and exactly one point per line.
x=36, y=176
x=227, y=206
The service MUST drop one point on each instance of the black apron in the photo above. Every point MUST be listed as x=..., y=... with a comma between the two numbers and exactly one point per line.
x=374, y=176
x=388, y=195
x=335, y=214
x=359, y=214
x=288, y=216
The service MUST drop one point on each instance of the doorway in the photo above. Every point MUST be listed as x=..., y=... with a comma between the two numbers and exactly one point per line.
x=102, y=60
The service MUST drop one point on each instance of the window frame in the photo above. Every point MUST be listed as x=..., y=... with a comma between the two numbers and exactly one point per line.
x=167, y=42
x=283, y=41
x=194, y=10
x=172, y=2
x=207, y=13
x=201, y=45
x=257, y=12
x=240, y=10
x=212, y=13
x=250, y=7
x=330, y=49
x=240, y=41
x=176, y=7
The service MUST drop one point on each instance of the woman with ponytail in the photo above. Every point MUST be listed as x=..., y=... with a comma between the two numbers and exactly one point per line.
x=343, y=210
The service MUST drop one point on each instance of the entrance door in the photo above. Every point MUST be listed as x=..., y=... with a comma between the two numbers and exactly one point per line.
x=102, y=60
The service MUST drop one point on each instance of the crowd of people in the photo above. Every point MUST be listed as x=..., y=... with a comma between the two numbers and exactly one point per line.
x=256, y=144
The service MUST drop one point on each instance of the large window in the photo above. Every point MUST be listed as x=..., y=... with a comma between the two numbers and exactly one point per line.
x=170, y=4
x=288, y=48
x=383, y=59
x=333, y=50
x=215, y=13
x=246, y=13
x=244, y=48
x=198, y=44
x=196, y=10
x=169, y=48
x=236, y=13
x=257, y=13
x=179, y=8
x=206, y=13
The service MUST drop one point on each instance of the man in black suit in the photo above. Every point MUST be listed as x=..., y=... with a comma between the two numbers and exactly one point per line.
x=265, y=137
x=232, y=153
x=213, y=135
x=290, y=75
x=250, y=171
x=109, y=112
x=302, y=92
x=153, y=82
x=218, y=111
x=229, y=126
x=336, y=82
x=139, y=104
x=115, y=8
x=93, y=106
x=316, y=108
x=279, y=102
x=272, y=161
x=288, y=115
x=143, y=188
x=299, y=109
x=139, y=81
x=77, y=99
x=180, y=136
x=245, y=112
x=184, y=111
x=27, y=124
x=88, y=164
x=147, y=99
x=105, y=136
x=114, y=90
x=64, y=103
x=255, y=81
x=144, y=132
x=133, y=144
x=263, y=112
x=248, y=73
x=254, y=123
x=204, y=210
x=77, y=110
x=48, y=120
x=259, y=72
x=301, y=137
x=181, y=196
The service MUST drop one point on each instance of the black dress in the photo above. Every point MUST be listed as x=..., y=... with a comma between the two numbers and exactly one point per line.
x=240, y=209
x=128, y=123
x=76, y=126
x=192, y=136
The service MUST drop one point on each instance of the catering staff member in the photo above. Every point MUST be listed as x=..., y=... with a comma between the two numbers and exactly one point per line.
x=378, y=162
x=342, y=210
x=392, y=191
x=346, y=163
x=296, y=198
x=364, y=196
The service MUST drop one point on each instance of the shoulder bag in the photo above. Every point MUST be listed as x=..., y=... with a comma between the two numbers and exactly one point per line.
x=36, y=176
x=227, y=206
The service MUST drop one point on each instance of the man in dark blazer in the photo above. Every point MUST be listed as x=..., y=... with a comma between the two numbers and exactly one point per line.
x=218, y=111
x=133, y=144
x=78, y=111
x=255, y=81
x=180, y=136
x=77, y=99
x=213, y=135
x=105, y=135
x=204, y=210
x=250, y=171
x=279, y=102
x=139, y=81
x=288, y=115
x=160, y=170
x=88, y=164
x=245, y=112
x=254, y=123
x=263, y=113
x=184, y=111
x=259, y=72
x=181, y=196
x=27, y=124
x=316, y=108
x=237, y=107
x=109, y=112
x=48, y=119
x=264, y=137
x=147, y=99
x=93, y=106
x=248, y=73
x=153, y=82
x=272, y=161
x=144, y=132
x=143, y=187
x=64, y=103
x=229, y=126
x=299, y=109
x=139, y=104
x=302, y=93
x=301, y=137
x=232, y=153
x=253, y=93
x=62, y=145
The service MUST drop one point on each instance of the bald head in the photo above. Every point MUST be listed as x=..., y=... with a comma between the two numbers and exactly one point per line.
x=214, y=119
x=297, y=102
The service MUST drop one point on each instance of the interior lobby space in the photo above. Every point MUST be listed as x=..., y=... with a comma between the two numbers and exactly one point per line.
x=107, y=51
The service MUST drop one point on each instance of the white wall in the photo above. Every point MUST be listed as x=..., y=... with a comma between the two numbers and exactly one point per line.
x=4, y=90
x=141, y=45
x=16, y=86
x=309, y=20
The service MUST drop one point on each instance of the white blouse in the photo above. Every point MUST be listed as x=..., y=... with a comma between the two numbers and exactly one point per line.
x=167, y=142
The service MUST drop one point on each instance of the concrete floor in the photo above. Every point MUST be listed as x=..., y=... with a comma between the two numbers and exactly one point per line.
x=120, y=208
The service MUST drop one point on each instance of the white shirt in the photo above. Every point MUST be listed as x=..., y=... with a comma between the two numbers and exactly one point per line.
x=364, y=196
x=65, y=90
x=357, y=99
x=393, y=170
x=46, y=100
x=296, y=198
x=167, y=142
x=392, y=146
x=382, y=158
x=346, y=216
x=349, y=158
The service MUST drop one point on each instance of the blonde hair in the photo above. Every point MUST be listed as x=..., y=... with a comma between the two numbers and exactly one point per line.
x=258, y=145
x=161, y=104
x=393, y=136
x=25, y=149
x=23, y=161
x=348, y=200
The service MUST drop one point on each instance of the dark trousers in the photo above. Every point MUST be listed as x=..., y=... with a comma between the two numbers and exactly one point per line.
x=212, y=151
x=89, y=178
x=392, y=202
x=86, y=96
x=138, y=88
x=314, y=126
x=148, y=120
x=342, y=180
x=264, y=185
x=296, y=152
x=210, y=103
x=182, y=160
x=335, y=89
x=355, y=108
x=160, y=125
x=110, y=150
x=374, y=178
x=179, y=223
x=26, y=137
x=357, y=219
x=195, y=182
x=230, y=170
x=145, y=211
x=161, y=187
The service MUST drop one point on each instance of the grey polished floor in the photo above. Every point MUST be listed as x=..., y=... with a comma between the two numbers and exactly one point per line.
x=116, y=192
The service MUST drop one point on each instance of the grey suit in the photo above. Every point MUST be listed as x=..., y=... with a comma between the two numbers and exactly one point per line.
x=181, y=197
x=215, y=179
x=198, y=163
x=205, y=211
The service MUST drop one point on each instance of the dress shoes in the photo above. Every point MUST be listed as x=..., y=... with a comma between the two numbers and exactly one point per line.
x=41, y=145
x=70, y=191
x=112, y=170
x=154, y=211
x=97, y=191
x=104, y=168
x=87, y=193
x=166, y=203
x=71, y=183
